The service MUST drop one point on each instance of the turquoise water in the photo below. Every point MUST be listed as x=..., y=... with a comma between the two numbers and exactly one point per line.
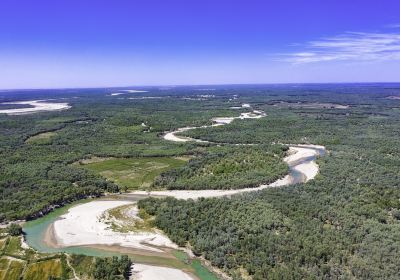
x=36, y=229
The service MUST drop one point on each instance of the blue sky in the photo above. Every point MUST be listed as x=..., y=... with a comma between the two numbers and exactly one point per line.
x=69, y=43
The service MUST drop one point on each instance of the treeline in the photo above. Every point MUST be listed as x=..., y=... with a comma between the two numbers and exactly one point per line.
x=228, y=167
x=112, y=268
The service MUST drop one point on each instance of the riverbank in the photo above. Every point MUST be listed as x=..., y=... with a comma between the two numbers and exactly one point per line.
x=301, y=158
x=37, y=106
x=86, y=224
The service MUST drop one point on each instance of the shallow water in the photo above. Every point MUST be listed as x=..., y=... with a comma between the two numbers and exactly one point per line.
x=35, y=231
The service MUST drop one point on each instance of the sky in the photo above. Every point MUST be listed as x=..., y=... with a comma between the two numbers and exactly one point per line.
x=70, y=43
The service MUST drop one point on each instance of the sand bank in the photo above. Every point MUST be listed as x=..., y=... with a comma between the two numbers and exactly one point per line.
x=171, y=136
x=149, y=272
x=85, y=224
x=134, y=91
x=39, y=106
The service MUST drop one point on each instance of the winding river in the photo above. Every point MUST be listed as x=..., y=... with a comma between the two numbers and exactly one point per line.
x=78, y=229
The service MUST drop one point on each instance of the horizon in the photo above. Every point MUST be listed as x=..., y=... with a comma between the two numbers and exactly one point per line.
x=200, y=85
x=95, y=44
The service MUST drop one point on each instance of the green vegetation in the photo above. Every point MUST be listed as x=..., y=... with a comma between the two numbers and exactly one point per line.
x=41, y=138
x=126, y=223
x=43, y=270
x=228, y=168
x=133, y=173
x=112, y=268
x=17, y=263
x=14, y=229
x=14, y=247
x=82, y=264
x=11, y=268
x=36, y=177
x=343, y=225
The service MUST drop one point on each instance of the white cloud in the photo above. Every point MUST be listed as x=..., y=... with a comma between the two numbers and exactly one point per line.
x=350, y=46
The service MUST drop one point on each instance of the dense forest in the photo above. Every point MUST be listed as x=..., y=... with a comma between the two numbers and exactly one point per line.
x=345, y=224
x=228, y=168
x=37, y=174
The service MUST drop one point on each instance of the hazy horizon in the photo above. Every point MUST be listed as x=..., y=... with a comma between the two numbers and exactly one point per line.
x=200, y=85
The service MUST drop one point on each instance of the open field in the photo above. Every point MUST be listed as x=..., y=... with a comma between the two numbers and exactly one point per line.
x=10, y=268
x=42, y=138
x=43, y=270
x=18, y=263
x=134, y=173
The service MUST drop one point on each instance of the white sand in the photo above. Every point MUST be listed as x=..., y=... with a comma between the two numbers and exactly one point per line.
x=149, y=272
x=393, y=97
x=134, y=91
x=24, y=245
x=308, y=168
x=82, y=225
x=295, y=159
x=171, y=136
x=39, y=106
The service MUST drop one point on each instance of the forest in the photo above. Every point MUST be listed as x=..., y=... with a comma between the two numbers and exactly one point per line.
x=38, y=174
x=228, y=168
x=345, y=224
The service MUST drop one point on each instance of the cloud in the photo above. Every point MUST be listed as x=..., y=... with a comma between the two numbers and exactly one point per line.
x=350, y=46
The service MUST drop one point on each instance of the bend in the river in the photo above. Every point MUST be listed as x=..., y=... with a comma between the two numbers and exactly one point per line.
x=301, y=161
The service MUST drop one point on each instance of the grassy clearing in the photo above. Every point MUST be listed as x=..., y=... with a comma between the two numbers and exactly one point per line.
x=43, y=270
x=134, y=173
x=42, y=138
x=2, y=243
x=82, y=264
x=3, y=267
x=14, y=247
x=19, y=263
